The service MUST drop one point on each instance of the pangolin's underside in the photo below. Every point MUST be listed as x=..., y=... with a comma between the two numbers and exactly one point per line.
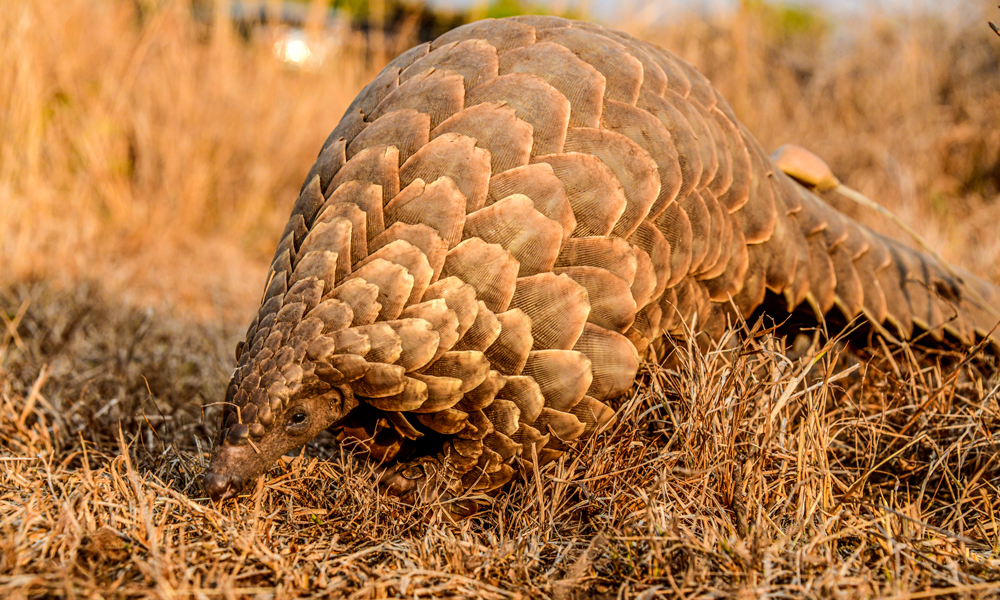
x=503, y=222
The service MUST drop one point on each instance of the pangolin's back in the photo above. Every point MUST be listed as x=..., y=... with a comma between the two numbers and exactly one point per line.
x=506, y=217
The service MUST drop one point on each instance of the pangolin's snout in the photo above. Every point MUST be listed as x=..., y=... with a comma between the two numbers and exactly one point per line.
x=221, y=487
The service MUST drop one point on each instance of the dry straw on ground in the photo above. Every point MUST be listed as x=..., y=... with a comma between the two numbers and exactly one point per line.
x=158, y=157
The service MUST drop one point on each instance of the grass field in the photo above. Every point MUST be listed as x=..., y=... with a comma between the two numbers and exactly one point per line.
x=147, y=165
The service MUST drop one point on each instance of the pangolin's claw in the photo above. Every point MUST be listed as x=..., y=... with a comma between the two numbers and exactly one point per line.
x=426, y=481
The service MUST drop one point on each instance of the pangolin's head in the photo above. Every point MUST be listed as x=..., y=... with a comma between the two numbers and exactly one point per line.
x=247, y=446
x=287, y=386
x=282, y=394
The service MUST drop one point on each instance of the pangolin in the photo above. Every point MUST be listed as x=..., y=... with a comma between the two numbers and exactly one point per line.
x=502, y=223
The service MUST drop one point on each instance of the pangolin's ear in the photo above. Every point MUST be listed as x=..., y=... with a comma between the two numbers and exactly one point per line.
x=348, y=395
x=347, y=400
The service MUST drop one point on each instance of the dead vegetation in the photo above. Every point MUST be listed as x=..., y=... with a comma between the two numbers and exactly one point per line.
x=145, y=169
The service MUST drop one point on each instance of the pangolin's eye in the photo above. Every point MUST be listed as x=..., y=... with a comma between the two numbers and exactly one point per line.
x=297, y=420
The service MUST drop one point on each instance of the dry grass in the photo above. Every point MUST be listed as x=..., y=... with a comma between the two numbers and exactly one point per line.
x=144, y=170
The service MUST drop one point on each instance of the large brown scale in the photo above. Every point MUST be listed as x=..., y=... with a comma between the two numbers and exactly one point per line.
x=502, y=223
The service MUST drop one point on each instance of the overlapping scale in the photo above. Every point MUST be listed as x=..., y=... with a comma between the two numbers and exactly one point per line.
x=474, y=59
x=440, y=205
x=495, y=128
x=439, y=93
x=538, y=183
x=378, y=165
x=406, y=129
x=456, y=157
x=535, y=102
x=557, y=306
x=578, y=81
x=514, y=225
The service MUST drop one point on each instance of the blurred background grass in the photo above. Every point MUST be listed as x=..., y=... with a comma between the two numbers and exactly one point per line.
x=157, y=146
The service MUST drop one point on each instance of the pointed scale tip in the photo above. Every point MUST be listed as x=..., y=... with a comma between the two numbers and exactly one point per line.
x=803, y=165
